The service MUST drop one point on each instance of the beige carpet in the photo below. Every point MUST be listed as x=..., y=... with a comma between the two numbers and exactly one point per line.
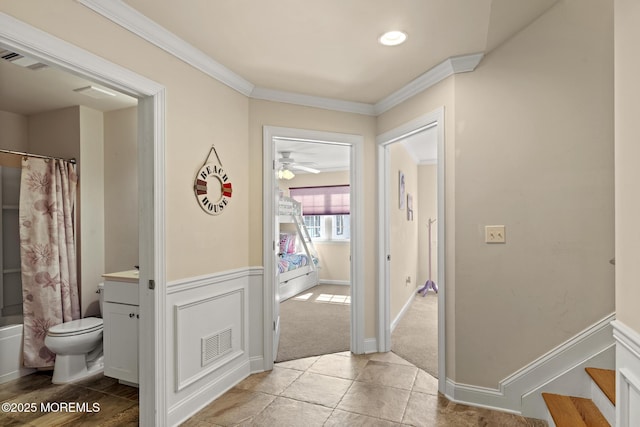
x=415, y=338
x=315, y=322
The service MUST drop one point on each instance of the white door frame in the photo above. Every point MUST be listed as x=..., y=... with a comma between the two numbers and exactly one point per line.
x=356, y=145
x=435, y=118
x=28, y=40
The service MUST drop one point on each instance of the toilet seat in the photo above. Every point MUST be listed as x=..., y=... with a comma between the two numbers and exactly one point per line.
x=76, y=327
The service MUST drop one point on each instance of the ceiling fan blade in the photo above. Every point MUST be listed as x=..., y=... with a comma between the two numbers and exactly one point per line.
x=305, y=168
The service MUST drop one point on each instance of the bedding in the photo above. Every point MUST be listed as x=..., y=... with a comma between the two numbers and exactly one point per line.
x=288, y=262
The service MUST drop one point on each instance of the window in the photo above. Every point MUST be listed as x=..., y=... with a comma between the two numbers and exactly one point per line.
x=325, y=210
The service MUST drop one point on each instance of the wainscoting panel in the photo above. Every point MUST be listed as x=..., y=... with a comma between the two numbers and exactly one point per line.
x=627, y=375
x=210, y=331
x=209, y=334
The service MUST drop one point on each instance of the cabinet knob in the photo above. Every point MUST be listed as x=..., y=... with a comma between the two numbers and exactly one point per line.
x=131, y=315
x=137, y=316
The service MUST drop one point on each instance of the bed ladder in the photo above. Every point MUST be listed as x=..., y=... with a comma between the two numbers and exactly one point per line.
x=307, y=243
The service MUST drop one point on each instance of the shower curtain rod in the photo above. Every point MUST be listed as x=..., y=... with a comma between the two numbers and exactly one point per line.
x=39, y=156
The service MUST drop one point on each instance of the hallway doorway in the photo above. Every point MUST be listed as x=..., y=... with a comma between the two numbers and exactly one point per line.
x=402, y=270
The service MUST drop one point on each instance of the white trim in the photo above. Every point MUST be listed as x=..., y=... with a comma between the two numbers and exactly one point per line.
x=561, y=360
x=335, y=282
x=403, y=311
x=370, y=346
x=49, y=49
x=448, y=67
x=209, y=279
x=435, y=118
x=132, y=20
x=627, y=375
x=356, y=144
x=313, y=101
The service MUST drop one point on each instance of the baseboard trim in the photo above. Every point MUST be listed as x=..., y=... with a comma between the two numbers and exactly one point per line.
x=508, y=396
x=186, y=408
x=370, y=345
x=404, y=310
x=335, y=282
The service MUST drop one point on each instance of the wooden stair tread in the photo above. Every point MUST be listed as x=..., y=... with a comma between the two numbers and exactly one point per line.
x=569, y=411
x=606, y=380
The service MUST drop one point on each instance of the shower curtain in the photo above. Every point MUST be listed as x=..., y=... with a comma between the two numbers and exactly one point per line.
x=47, y=252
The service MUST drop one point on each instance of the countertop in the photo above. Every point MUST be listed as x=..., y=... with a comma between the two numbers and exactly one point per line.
x=129, y=276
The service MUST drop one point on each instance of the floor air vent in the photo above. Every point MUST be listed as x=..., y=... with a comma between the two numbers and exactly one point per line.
x=215, y=346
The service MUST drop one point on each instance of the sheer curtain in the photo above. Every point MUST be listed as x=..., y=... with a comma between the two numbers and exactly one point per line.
x=47, y=251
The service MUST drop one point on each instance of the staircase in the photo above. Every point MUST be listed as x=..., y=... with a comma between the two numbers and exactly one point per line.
x=570, y=411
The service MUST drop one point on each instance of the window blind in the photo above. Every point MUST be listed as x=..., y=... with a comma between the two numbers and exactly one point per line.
x=324, y=200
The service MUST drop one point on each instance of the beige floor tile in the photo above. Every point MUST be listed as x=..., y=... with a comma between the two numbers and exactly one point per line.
x=389, y=357
x=271, y=382
x=319, y=389
x=425, y=383
x=376, y=401
x=338, y=366
x=299, y=364
x=341, y=419
x=235, y=407
x=388, y=374
x=285, y=412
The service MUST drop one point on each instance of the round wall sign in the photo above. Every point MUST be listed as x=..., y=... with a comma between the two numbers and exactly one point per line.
x=213, y=189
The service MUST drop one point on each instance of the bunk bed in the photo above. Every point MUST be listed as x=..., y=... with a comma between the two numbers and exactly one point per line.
x=298, y=259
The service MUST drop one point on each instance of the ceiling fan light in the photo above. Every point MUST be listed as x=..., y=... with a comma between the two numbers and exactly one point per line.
x=285, y=174
x=392, y=38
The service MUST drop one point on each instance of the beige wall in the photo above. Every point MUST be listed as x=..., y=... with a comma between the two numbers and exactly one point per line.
x=121, y=189
x=534, y=151
x=403, y=233
x=14, y=131
x=199, y=112
x=627, y=153
x=334, y=256
x=427, y=209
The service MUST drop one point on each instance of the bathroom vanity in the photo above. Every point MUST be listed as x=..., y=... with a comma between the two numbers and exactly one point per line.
x=121, y=315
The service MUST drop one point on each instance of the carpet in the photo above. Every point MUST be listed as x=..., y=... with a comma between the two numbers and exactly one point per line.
x=415, y=338
x=315, y=322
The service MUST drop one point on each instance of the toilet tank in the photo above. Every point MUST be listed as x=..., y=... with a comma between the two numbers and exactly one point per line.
x=101, y=297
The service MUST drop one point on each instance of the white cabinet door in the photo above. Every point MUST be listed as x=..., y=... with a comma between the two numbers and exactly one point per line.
x=121, y=341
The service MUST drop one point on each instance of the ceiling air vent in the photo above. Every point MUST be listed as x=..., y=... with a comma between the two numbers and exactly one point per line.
x=21, y=60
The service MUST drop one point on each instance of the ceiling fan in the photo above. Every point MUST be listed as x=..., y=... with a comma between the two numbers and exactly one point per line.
x=288, y=163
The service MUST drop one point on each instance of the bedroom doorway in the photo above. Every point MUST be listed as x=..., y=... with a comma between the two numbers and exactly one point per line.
x=318, y=171
x=411, y=189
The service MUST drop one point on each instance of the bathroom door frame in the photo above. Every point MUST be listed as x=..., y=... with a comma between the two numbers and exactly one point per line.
x=25, y=39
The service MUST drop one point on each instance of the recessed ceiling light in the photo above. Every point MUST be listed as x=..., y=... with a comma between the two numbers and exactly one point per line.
x=392, y=38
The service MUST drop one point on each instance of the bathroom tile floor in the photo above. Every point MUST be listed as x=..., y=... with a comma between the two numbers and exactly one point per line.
x=339, y=389
x=97, y=401
x=342, y=389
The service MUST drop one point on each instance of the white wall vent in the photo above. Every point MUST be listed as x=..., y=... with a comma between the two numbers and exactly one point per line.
x=215, y=346
x=21, y=60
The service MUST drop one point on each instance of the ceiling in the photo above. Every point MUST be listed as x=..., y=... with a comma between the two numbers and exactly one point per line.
x=322, y=48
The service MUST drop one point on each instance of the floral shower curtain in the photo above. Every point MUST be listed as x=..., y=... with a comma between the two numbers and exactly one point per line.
x=47, y=252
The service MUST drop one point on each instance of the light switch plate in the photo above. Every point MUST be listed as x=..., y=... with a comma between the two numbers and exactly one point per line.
x=494, y=234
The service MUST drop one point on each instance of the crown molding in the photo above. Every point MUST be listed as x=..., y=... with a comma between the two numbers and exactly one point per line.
x=448, y=67
x=132, y=20
x=312, y=101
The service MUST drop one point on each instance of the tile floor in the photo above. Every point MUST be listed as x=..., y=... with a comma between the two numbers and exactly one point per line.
x=342, y=389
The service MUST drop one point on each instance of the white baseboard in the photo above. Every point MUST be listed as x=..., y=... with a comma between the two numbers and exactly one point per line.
x=508, y=397
x=404, y=310
x=370, y=345
x=627, y=375
x=335, y=282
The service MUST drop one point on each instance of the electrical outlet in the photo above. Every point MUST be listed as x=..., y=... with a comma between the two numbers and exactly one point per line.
x=494, y=234
x=407, y=281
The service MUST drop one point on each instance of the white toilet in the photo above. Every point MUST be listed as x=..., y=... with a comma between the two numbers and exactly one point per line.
x=78, y=347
